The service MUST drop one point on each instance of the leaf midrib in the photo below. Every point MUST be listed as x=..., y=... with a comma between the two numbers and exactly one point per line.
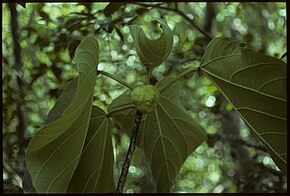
x=61, y=173
x=162, y=143
x=103, y=152
x=265, y=142
x=56, y=151
x=172, y=120
x=269, y=146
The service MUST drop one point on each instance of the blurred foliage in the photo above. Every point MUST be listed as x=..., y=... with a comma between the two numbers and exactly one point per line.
x=49, y=34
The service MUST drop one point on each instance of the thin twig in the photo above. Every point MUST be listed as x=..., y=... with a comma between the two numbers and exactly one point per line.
x=127, y=161
x=206, y=34
x=249, y=144
x=216, y=137
x=284, y=55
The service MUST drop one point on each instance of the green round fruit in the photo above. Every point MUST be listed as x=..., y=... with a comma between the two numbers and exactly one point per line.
x=145, y=98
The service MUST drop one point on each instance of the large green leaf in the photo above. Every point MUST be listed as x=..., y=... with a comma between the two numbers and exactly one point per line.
x=94, y=172
x=152, y=52
x=97, y=155
x=54, y=151
x=255, y=84
x=167, y=135
x=61, y=103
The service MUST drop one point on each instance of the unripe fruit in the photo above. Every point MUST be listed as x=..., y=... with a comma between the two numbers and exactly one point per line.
x=145, y=98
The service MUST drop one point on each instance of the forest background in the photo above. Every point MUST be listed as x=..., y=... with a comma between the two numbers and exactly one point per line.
x=46, y=35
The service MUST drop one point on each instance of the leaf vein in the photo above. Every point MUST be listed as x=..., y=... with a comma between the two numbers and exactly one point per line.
x=57, y=150
x=261, y=112
x=250, y=67
x=243, y=87
x=162, y=143
x=272, y=133
x=61, y=173
x=270, y=81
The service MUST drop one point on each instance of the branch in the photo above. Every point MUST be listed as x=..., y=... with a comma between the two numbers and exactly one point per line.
x=182, y=61
x=20, y=87
x=249, y=144
x=216, y=137
x=207, y=35
x=284, y=55
x=127, y=161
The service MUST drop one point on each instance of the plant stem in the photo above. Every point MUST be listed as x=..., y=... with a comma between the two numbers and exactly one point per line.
x=127, y=161
x=114, y=78
x=179, y=76
x=148, y=75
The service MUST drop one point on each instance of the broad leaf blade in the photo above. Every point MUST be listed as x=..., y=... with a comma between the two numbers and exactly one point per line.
x=122, y=110
x=152, y=52
x=61, y=103
x=255, y=84
x=53, y=153
x=167, y=135
x=94, y=172
x=96, y=163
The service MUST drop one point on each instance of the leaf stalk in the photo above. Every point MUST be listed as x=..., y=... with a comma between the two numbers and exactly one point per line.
x=114, y=78
x=181, y=75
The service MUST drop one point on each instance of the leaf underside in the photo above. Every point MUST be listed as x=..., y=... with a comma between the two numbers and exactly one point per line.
x=94, y=173
x=167, y=135
x=255, y=84
x=152, y=52
x=57, y=149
